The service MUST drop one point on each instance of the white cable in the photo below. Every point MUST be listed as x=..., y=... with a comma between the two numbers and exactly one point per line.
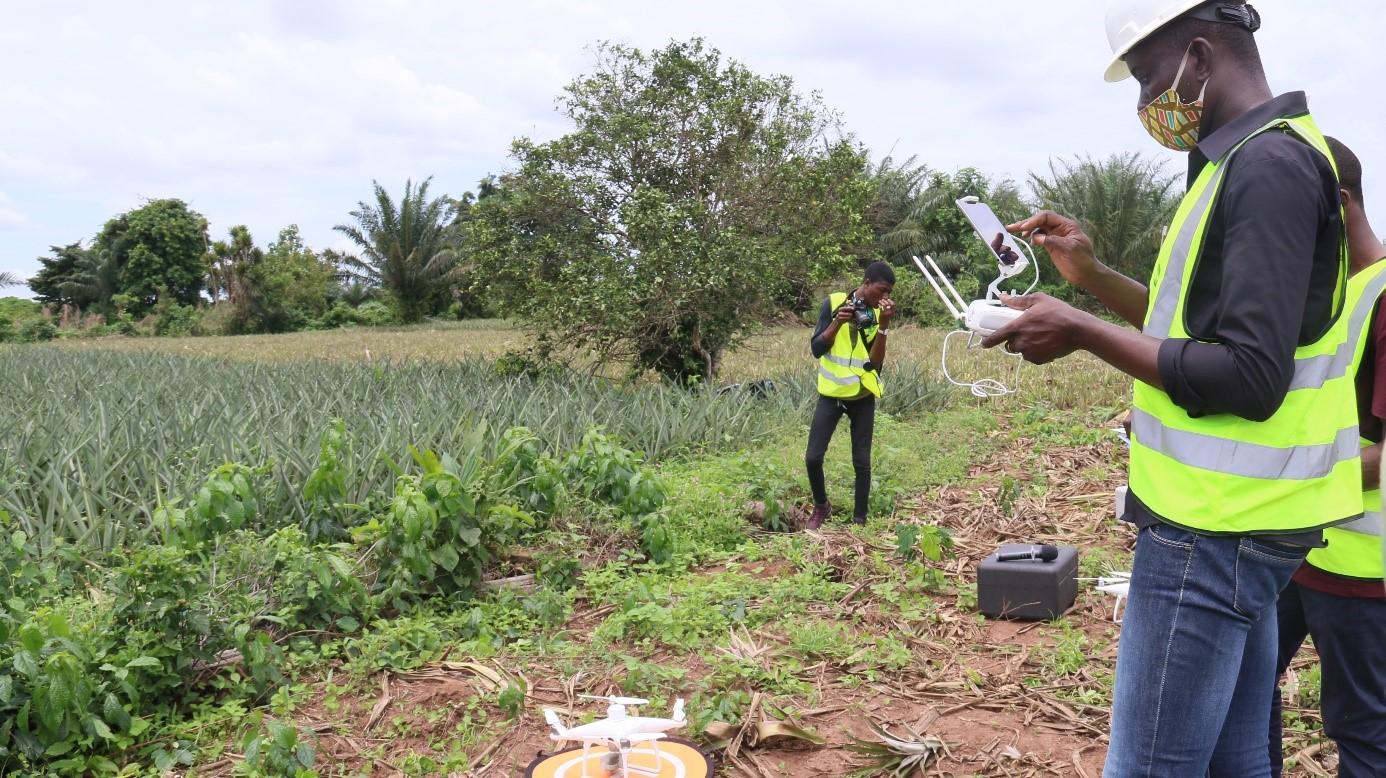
x=984, y=388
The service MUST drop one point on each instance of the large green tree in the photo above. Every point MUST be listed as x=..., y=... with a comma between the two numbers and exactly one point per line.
x=159, y=247
x=285, y=287
x=406, y=248
x=691, y=198
x=1124, y=203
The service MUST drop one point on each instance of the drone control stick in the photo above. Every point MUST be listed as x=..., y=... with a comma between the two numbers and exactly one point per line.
x=1045, y=553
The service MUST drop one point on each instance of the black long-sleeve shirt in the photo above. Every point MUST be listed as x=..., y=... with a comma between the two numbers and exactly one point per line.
x=1264, y=281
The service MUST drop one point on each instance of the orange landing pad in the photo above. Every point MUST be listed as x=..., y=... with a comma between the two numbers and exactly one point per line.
x=678, y=758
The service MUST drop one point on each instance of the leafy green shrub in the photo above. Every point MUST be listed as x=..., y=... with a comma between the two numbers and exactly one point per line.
x=277, y=750
x=174, y=320
x=325, y=492
x=339, y=315
x=39, y=330
x=163, y=612
x=226, y=502
x=441, y=530
x=766, y=485
x=527, y=363
x=371, y=313
x=58, y=706
x=522, y=470
x=7, y=333
x=558, y=571
x=374, y=313
x=295, y=585
x=610, y=473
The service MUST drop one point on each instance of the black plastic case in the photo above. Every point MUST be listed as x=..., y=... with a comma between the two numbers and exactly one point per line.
x=1028, y=590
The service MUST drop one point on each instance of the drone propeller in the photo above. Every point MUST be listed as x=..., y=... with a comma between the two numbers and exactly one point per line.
x=615, y=700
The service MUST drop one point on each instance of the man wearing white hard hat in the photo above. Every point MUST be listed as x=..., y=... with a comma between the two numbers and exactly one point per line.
x=1244, y=431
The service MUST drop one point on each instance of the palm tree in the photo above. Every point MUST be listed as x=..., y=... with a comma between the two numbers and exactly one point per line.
x=405, y=248
x=1123, y=203
x=9, y=279
x=227, y=262
x=932, y=224
x=94, y=280
x=898, y=186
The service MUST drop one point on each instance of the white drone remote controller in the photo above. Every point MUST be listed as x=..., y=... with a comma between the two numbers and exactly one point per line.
x=985, y=316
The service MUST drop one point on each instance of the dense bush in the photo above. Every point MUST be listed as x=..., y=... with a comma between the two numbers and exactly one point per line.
x=372, y=313
x=174, y=320
x=39, y=330
x=203, y=610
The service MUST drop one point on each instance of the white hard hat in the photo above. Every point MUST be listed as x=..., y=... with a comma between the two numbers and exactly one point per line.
x=1131, y=21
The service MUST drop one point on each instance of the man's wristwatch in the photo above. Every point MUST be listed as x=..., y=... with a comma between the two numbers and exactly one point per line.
x=882, y=332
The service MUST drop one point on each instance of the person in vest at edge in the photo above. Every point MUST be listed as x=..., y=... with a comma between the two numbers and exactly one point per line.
x=1337, y=595
x=1244, y=441
x=849, y=382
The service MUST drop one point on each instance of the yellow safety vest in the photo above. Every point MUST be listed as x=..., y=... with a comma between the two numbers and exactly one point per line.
x=842, y=371
x=1297, y=471
x=1354, y=549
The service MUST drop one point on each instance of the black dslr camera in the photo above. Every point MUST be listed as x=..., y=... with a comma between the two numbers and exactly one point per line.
x=863, y=317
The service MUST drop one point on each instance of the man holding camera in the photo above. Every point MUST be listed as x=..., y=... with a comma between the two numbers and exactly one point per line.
x=850, y=346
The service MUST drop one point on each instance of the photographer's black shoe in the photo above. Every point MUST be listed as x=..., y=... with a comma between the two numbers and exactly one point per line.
x=820, y=515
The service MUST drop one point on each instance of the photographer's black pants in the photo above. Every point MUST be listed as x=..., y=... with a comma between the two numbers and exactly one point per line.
x=862, y=415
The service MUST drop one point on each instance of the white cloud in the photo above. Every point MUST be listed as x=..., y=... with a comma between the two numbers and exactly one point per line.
x=269, y=112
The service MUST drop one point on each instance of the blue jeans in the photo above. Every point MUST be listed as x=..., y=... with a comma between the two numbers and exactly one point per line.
x=1350, y=636
x=1196, y=662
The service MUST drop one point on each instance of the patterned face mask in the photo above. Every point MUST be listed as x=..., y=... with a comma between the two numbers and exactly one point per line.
x=1172, y=122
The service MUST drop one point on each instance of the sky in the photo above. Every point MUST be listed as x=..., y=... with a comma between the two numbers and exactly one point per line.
x=275, y=112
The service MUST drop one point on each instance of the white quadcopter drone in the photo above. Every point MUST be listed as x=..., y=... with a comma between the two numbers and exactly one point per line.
x=1116, y=583
x=989, y=314
x=620, y=733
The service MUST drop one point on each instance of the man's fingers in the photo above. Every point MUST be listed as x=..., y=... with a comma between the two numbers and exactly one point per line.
x=1000, y=336
x=1020, y=302
x=1025, y=226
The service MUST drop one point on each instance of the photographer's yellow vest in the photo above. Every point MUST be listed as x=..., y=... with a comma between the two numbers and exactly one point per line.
x=1354, y=549
x=842, y=371
x=1297, y=471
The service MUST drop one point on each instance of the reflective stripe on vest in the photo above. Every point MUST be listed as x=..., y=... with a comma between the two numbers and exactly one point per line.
x=845, y=362
x=1161, y=317
x=1370, y=524
x=1298, y=470
x=1314, y=372
x=1240, y=458
x=850, y=380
